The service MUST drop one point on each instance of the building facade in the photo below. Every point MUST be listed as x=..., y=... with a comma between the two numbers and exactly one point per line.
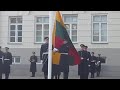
x=24, y=32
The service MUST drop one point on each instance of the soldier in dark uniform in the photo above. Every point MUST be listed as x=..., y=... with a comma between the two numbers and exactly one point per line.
x=33, y=60
x=64, y=65
x=88, y=60
x=7, y=61
x=44, y=57
x=81, y=55
x=83, y=69
x=98, y=65
x=1, y=63
x=92, y=65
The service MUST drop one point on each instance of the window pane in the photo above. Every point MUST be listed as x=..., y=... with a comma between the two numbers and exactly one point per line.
x=74, y=26
x=46, y=27
x=12, y=20
x=95, y=38
x=17, y=60
x=19, y=20
x=95, y=32
x=103, y=26
x=38, y=33
x=95, y=26
x=74, y=18
x=12, y=33
x=74, y=38
x=19, y=27
x=96, y=18
x=39, y=20
x=103, y=38
x=39, y=27
x=19, y=39
x=45, y=20
x=67, y=19
x=67, y=26
x=74, y=32
x=12, y=39
x=38, y=39
x=12, y=27
x=104, y=18
x=46, y=32
x=19, y=33
x=104, y=33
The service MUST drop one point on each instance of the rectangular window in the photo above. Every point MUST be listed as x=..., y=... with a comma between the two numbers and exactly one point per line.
x=41, y=28
x=16, y=60
x=71, y=26
x=99, y=29
x=15, y=29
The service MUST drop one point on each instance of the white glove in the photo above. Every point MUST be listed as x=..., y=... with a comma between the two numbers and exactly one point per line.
x=55, y=50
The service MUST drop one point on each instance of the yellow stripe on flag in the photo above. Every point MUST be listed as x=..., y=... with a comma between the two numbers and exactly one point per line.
x=56, y=58
x=59, y=18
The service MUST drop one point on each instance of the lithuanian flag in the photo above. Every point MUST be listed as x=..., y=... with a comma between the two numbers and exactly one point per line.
x=58, y=36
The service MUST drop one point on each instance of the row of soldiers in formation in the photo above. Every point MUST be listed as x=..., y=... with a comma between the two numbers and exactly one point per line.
x=88, y=62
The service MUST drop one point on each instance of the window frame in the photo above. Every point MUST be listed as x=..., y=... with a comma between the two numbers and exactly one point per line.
x=35, y=30
x=13, y=57
x=92, y=22
x=16, y=30
x=71, y=23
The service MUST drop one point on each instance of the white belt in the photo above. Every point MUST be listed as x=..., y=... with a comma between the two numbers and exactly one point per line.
x=45, y=53
x=64, y=53
x=6, y=59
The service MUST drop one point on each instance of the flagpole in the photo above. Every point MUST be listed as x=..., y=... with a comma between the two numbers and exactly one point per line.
x=51, y=16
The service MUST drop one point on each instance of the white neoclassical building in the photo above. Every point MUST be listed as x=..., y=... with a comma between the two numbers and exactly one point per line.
x=24, y=31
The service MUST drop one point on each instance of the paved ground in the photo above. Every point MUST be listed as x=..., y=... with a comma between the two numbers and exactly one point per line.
x=22, y=72
x=28, y=77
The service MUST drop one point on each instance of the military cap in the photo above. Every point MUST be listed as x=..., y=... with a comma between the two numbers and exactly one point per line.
x=82, y=45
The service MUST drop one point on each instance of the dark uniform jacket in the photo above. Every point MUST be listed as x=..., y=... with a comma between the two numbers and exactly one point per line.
x=98, y=67
x=7, y=63
x=44, y=57
x=92, y=64
x=64, y=64
x=33, y=63
x=83, y=67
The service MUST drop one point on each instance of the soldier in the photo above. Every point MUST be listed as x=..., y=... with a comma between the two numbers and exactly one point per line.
x=80, y=66
x=44, y=57
x=83, y=69
x=1, y=63
x=7, y=61
x=64, y=65
x=88, y=59
x=92, y=64
x=98, y=65
x=33, y=60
